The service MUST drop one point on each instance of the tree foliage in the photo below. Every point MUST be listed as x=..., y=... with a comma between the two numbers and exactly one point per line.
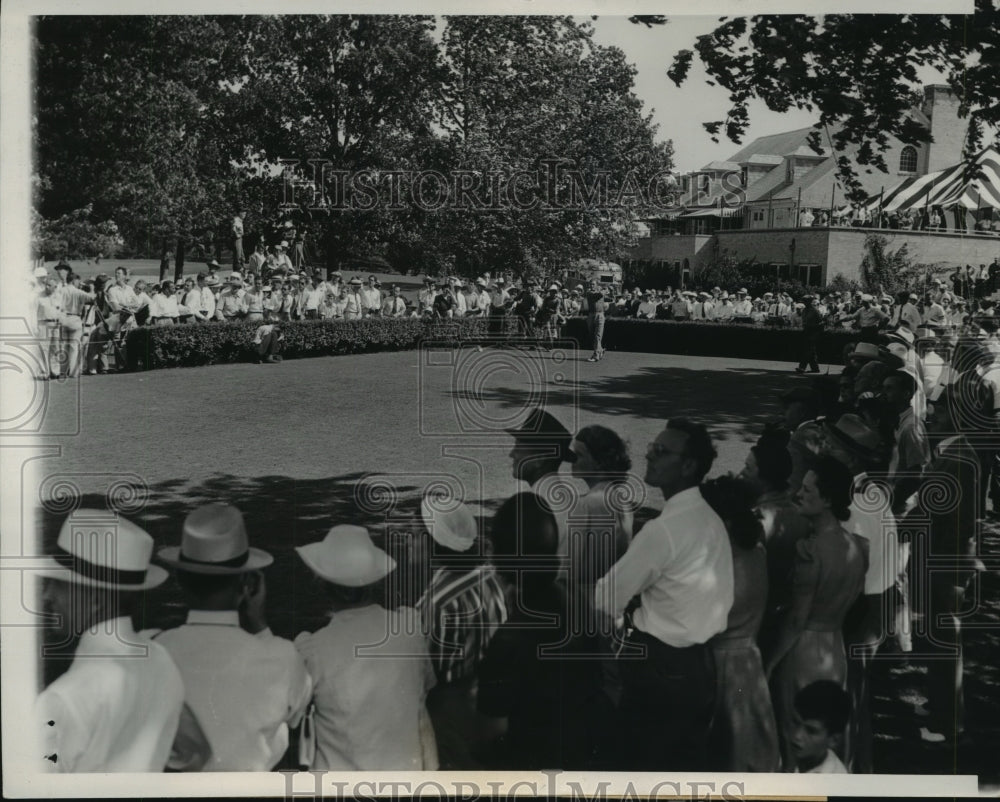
x=168, y=124
x=74, y=235
x=859, y=72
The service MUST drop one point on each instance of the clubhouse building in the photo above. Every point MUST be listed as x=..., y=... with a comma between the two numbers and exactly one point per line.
x=778, y=204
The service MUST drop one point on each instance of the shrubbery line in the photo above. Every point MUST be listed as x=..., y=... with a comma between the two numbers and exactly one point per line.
x=199, y=344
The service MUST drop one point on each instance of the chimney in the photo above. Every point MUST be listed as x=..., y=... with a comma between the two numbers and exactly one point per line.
x=948, y=130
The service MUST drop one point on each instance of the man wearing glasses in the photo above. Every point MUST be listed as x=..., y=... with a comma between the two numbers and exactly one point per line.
x=680, y=566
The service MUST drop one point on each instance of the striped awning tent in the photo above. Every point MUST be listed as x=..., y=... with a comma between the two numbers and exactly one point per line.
x=973, y=185
x=713, y=211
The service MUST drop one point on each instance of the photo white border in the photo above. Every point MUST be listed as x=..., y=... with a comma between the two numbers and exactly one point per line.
x=20, y=643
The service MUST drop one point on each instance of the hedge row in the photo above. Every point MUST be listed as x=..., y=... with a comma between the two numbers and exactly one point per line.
x=737, y=340
x=219, y=343
x=199, y=344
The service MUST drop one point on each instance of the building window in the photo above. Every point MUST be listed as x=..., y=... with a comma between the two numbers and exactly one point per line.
x=908, y=160
x=758, y=216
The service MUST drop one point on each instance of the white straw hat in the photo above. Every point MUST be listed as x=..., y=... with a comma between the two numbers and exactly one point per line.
x=347, y=556
x=101, y=549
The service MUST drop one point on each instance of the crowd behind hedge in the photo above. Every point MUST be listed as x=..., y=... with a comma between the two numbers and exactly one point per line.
x=206, y=319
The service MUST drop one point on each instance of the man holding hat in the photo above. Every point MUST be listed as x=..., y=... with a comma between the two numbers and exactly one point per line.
x=246, y=686
x=369, y=665
x=118, y=706
x=444, y=302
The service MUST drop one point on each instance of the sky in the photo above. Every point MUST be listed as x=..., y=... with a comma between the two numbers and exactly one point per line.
x=680, y=111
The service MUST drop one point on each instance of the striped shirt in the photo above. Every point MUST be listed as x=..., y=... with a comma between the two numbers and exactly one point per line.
x=461, y=611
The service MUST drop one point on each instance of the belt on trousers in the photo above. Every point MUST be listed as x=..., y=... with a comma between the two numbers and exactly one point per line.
x=71, y=314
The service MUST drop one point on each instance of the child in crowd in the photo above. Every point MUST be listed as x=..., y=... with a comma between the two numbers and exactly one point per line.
x=822, y=710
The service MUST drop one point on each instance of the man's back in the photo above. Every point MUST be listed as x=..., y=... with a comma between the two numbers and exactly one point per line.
x=246, y=690
x=116, y=709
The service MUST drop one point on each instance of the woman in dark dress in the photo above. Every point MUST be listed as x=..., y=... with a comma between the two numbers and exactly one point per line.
x=744, y=733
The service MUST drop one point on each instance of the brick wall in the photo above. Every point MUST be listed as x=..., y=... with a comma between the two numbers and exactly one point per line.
x=840, y=250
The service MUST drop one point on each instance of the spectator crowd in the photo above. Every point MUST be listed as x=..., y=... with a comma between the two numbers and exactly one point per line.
x=736, y=630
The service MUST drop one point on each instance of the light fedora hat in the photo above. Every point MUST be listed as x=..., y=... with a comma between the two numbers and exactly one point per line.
x=214, y=541
x=104, y=550
x=347, y=556
x=453, y=528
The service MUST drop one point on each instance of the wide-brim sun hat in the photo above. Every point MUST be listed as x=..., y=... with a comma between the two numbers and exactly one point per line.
x=347, y=556
x=214, y=541
x=449, y=523
x=101, y=549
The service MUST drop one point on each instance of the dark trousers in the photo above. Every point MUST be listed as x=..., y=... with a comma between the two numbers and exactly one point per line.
x=810, y=339
x=869, y=334
x=865, y=629
x=945, y=697
x=270, y=344
x=665, y=714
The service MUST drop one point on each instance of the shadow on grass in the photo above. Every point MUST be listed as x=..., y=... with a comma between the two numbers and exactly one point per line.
x=733, y=403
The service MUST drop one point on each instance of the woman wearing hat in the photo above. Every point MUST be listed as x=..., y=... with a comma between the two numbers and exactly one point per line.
x=461, y=608
x=118, y=706
x=370, y=666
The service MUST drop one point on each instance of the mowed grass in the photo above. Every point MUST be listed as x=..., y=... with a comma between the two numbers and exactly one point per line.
x=310, y=443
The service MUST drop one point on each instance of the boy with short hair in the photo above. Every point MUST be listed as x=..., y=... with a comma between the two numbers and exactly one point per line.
x=822, y=710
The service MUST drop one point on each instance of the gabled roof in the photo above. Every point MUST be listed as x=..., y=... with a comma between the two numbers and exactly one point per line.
x=723, y=167
x=773, y=145
x=806, y=181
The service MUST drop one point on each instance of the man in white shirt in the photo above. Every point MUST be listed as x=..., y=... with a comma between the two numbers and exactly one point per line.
x=425, y=298
x=724, y=309
x=647, y=309
x=461, y=302
x=123, y=301
x=246, y=686
x=680, y=565
x=395, y=304
x=313, y=293
x=257, y=260
x=354, y=302
x=118, y=706
x=743, y=306
x=371, y=297
x=238, y=240
x=702, y=309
